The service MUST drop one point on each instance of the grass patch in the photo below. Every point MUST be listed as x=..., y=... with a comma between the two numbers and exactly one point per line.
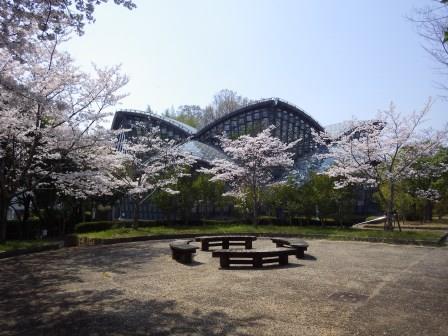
x=324, y=232
x=11, y=245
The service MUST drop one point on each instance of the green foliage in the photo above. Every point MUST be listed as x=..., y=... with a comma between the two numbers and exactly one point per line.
x=407, y=201
x=11, y=245
x=315, y=198
x=189, y=120
x=305, y=231
x=187, y=114
x=197, y=194
x=100, y=226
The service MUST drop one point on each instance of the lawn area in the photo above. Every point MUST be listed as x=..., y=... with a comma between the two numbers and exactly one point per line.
x=323, y=232
x=11, y=245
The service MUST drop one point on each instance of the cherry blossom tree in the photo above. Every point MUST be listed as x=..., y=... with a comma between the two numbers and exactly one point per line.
x=432, y=24
x=151, y=164
x=381, y=152
x=23, y=23
x=253, y=162
x=50, y=125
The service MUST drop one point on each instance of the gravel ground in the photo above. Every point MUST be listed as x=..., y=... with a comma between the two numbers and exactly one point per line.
x=341, y=288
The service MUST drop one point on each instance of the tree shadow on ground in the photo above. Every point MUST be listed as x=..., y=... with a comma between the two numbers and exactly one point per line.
x=34, y=301
x=117, y=259
x=110, y=313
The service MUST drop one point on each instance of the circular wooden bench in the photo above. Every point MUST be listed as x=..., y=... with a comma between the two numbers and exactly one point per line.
x=298, y=244
x=255, y=257
x=225, y=241
x=182, y=251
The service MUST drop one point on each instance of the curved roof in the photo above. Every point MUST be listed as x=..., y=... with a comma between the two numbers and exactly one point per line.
x=269, y=102
x=180, y=125
x=203, y=151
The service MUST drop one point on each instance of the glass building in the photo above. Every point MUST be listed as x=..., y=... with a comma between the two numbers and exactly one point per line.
x=291, y=123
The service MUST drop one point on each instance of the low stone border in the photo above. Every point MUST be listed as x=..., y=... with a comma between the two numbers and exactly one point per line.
x=74, y=240
x=411, y=227
x=14, y=253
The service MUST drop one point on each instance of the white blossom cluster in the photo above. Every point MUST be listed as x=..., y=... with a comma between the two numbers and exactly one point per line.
x=429, y=194
x=152, y=163
x=381, y=150
x=50, y=132
x=253, y=161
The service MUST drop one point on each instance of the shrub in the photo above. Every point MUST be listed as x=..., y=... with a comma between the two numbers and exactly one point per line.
x=18, y=230
x=84, y=227
x=228, y=221
x=270, y=220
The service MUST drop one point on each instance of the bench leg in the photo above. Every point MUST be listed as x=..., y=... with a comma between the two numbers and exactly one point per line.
x=224, y=261
x=248, y=244
x=225, y=244
x=283, y=259
x=300, y=253
x=258, y=261
x=177, y=255
x=279, y=244
x=188, y=258
x=204, y=245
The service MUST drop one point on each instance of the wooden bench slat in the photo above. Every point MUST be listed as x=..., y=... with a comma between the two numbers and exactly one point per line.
x=225, y=241
x=240, y=261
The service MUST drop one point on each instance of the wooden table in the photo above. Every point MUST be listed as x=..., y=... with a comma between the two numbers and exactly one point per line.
x=225, y=241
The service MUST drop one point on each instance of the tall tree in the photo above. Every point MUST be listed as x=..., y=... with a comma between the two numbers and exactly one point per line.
x=50, y=130
x=381, y=152
x=432, y=23
x=25, y=22
x=224, y=102
x=188, y=114
x=251, y=169
x=151, y=164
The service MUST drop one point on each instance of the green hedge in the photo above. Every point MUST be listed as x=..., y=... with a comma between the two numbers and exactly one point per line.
x=221, y=221
x=84, y=227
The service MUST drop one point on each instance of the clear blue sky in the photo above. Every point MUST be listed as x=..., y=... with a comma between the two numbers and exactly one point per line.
x=334, y=59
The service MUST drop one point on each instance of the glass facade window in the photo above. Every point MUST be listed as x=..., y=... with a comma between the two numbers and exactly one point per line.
x=290, y=124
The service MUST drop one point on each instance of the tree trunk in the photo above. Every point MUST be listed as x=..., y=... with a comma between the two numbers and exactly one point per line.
x=255, y=206
x=340, y=215
x=388, y=224
x=428, y=211
x=93, y=216
x=136, y=212
x=255, y=210
x=255, y=215
x=26, y=215
x=83, y=213
x=398, y=222
x=63, y=227
x=3, y=219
